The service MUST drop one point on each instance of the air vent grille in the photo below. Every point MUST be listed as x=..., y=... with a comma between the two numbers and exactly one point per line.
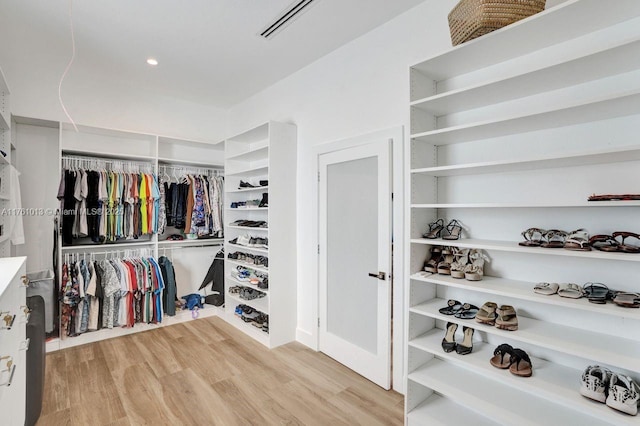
x=286, y=18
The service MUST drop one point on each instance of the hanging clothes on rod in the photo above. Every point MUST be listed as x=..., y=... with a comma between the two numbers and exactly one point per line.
x=114, y=291
x=193, y=200
x=108, y=200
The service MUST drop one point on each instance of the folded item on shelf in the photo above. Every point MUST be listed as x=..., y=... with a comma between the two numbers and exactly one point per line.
x=615, y=197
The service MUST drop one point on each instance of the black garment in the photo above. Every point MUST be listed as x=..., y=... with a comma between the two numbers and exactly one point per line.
x=215, y=274
x=68, y=207
x=93, y=206
x=179, y=201
x=99, y=293
x=168, y=202
x=169, y=295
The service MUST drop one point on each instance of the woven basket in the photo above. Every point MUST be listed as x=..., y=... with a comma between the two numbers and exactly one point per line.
x=474, y=18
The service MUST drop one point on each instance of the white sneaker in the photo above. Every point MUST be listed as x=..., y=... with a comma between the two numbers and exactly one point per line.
x=624, y=394
x=595, y=381
x=243, y=240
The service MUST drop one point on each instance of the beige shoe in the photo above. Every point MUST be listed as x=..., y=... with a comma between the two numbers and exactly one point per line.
x=460, y=263
x=475, y=269
x=487, y=314
x=507, y=318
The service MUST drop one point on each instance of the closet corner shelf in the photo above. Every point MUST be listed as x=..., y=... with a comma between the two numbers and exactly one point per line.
x=246, y=284
x=512, y=246
x=192, y=163
x=617, y=105
x=249, y=228
x=255, y=154
x=607, y=349
x=585, y=158
x=523, y=290
x=259, y=188
x=115, y=246
x=248, y=266
x=261, y=304
x=550, y=381
x=256, y=249
x=539, y=31
x=187, y=242
x=250, y=172
x=528, y=205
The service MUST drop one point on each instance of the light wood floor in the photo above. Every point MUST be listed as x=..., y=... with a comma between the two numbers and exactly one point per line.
x=205, y=372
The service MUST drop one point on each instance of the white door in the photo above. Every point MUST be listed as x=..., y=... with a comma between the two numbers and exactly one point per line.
x=355, y=259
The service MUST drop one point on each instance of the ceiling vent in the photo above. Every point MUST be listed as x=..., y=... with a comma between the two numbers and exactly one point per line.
x=285, y=18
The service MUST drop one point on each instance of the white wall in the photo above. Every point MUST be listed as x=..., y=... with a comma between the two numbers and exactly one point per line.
x=359, y=88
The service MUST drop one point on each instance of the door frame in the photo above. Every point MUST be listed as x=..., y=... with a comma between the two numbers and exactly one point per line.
x=396, y=136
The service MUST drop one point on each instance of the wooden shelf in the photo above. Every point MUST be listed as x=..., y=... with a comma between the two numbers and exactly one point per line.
x=576, y=159
x=603, y=62
x=603, y=108
x=439, y=411
x=256, y=249
x=248, y=266
x=598, y=347
x=512, y=246
x=523, y=290
x=589, y=204
x=260, y=188
x=550, y=381
x=536, y=32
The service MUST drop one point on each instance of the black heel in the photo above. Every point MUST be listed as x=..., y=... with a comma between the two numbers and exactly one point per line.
x=466, y=347
x=449, y=342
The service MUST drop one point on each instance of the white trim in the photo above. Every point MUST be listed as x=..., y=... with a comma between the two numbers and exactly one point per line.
x=397, y=136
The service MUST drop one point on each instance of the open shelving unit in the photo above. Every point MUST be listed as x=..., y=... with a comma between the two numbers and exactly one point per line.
x=266, y=152
x=499, y=126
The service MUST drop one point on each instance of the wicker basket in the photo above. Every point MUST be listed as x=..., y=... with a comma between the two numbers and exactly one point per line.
x=474, y=18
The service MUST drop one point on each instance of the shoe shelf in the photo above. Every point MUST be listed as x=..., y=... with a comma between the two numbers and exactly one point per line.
x=527, y=205
x=551, y=382
x=248, y=266
x=602, y=348
x=250, y=172
x=523, y=290
x=513, y=247
x=246, y=284
x=238, y=209
x=617, y=105
x=259, y=188
x=536, y=32
x=586, y=158
x=492, y=399
x=249, y=228
x=254, y=249
x=247, y=328
x=187, y=242
x=255, y=154
x=439, y=411
x=261, y=304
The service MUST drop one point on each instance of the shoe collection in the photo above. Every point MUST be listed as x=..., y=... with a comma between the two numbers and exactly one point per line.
x=453, y=230
x=244, y=184
x=249, y=258
x=459, y=263
x=618, y=391
x=503, y=317
x=253, y=316
x=244, y=275
x=250, y=223
x=516, y=360
x=594, y=292
x=246, y=293
x=249, y=241
x=252, y=204
x=579, y=240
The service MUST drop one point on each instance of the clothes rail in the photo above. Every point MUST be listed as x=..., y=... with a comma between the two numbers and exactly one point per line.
x=180, y=246
x=73, y=162
x=114, y=254
x=183, y=170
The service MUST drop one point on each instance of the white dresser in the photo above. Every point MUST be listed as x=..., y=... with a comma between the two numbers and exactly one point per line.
x=13, y=343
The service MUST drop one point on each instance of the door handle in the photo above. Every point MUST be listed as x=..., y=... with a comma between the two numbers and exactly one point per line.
x=380, y=275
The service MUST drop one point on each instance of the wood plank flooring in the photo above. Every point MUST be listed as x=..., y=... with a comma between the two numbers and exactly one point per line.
x=206, y=372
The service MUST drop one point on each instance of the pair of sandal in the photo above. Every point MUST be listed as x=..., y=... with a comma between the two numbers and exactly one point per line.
x=440, y=260
x=568, y=290
x=615, y=242
x=469, y=264
x=514, y=359
x=453, y=230
x=597, y=293
x=577, y=240
x=459, y=310
x=449, y=343
x=503, y=317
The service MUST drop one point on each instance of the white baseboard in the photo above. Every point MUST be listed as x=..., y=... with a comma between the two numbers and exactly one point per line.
x=307, y=339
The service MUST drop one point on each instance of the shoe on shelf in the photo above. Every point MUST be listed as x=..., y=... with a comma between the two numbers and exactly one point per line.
x=521, y=364
x=245, y=185
x=468, y=311
x=435, y=228
x=546, y=288
x=554, y=238
x=264, y=183
x=507, y=318
x=243, y=240
x=449, y=341
x=466, y=347
x=452, y=307
x=431, y=264
x=532, y=237
x=460, y=263
x=623, y=246
x=474, y=271
x=454, y=230
x=487, y=314
x=265, y=200
x=502, y=356
x=578, y=240
x=571, y=291
x=595, y=383
x=444, y=266
x=623, y=394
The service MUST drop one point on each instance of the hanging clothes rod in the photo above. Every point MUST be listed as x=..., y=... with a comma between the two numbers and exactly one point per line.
x=74, y=162
x=193, y=170
x=178, y=246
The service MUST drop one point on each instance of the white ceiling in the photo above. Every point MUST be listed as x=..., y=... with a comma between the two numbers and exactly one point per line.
x=209, y=50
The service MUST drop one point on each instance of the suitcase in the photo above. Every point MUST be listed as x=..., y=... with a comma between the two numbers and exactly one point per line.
x=35, y=359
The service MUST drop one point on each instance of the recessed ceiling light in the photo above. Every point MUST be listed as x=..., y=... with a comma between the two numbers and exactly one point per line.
x=152, y=61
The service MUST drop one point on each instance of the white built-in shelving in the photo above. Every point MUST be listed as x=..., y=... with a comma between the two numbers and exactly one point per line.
x=6, y=144
x=547, y=108
x=264, y=153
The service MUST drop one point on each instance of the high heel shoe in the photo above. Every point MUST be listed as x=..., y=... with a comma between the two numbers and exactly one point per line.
x=466, y=347
x=454, y=228
x=475, y=269
x=460, y=263
x=431, y=265
x=435, y=228
x=444, y=267
x=449, y=342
